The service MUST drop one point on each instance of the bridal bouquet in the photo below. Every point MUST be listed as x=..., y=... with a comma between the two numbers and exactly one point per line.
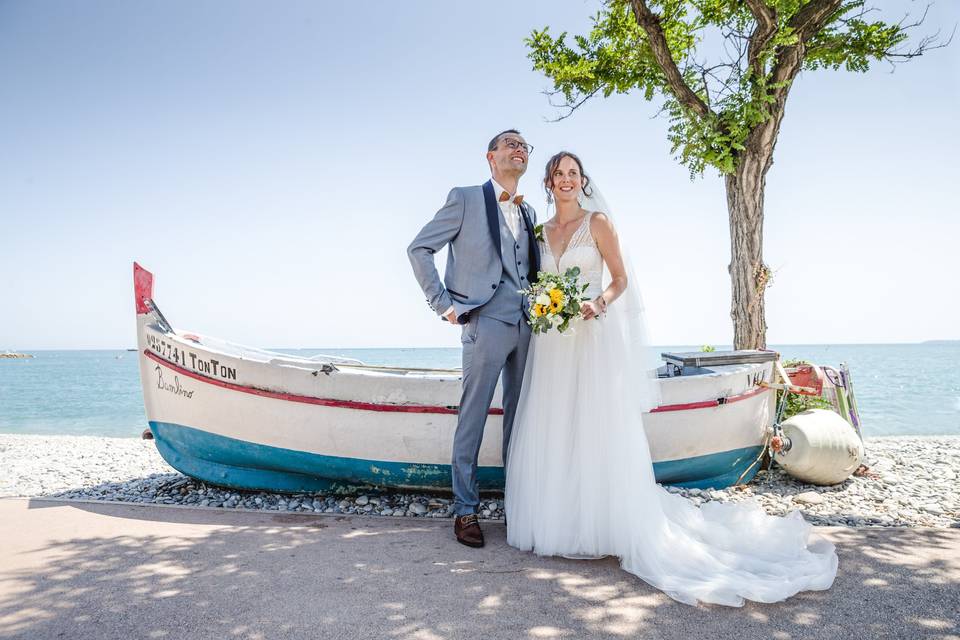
x=555, y=300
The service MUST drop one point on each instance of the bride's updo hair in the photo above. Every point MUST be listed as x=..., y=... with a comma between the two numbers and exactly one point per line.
x=552, y=165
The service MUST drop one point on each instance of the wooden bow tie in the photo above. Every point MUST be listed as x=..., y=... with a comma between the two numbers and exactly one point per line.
x=506, y=196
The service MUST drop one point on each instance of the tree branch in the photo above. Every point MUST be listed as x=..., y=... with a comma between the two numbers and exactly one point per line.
x=807, y=22
x=765, y=30
x=927, y=43
x=789, y=61
x=724, y=86
x=650, y=23
x=569, y=106
x=812, y=17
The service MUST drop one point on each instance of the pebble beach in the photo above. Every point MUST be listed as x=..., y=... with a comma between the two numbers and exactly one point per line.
x=912, y=482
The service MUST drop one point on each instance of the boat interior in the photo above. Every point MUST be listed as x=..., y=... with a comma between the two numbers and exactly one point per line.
x=676, y=364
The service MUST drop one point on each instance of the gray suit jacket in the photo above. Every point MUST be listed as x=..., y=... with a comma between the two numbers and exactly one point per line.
x=470, y=224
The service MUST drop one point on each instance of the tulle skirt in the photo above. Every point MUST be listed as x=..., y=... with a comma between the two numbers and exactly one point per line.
x=580, y=484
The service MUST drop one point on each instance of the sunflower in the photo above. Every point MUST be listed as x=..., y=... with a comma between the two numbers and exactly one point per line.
x=539, y=310
x=556, y=296
x=555, y=307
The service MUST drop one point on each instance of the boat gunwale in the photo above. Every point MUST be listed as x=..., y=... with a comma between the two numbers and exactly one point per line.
x=288, y=360
x=277, y=358
x=412, y=408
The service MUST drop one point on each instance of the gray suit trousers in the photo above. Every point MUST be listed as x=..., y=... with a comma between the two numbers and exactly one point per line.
x=490, y=346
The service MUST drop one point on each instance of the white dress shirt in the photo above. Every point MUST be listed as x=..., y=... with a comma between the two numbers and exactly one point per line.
x=510, y=211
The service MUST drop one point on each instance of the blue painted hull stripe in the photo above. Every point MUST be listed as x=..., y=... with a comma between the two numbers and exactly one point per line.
x=244, y=465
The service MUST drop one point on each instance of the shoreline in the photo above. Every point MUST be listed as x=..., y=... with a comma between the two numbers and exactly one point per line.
x=912, y=484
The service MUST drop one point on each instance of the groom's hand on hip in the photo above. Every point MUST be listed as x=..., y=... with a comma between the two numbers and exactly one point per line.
x=451, y=317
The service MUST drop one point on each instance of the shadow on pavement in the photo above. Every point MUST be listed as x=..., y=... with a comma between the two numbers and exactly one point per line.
x=118, y=571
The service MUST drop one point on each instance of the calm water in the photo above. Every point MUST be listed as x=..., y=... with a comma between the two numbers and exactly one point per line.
x=907, y=389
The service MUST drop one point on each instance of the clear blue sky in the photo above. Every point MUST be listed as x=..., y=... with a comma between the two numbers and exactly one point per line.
x=270, y=163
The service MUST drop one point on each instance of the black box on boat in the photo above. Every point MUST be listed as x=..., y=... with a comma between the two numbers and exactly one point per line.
x=706, y=359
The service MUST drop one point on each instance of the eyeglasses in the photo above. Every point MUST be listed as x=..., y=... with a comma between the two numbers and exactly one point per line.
x=514, y=144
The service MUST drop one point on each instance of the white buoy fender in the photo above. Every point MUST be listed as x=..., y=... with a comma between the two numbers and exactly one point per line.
x=824, y=447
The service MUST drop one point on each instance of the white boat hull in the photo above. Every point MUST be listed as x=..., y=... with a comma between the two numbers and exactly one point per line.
x=252, y=419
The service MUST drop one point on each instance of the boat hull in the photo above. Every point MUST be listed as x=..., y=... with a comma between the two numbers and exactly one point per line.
x=249, y=419
x=244, y=465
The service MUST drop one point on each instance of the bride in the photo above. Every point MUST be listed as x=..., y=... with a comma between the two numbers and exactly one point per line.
x=580, y=479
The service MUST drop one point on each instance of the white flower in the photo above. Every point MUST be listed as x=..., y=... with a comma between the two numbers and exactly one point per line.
x=543, y=299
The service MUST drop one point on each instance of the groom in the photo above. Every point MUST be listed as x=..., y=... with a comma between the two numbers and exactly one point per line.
x=492, y=255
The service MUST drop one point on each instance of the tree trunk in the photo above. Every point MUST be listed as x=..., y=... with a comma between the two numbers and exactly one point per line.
x=745, y=188
x=748, y=273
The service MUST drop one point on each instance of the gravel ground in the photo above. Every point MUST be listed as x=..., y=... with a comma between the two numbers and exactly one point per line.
x=913, y=482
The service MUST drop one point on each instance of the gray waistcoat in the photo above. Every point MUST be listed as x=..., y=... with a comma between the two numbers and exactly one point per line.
x=506, y=304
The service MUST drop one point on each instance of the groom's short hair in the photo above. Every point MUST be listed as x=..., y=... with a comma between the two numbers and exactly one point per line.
x=496, y=138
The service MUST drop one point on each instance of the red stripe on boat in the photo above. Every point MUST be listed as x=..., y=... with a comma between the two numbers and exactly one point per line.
x=398, y=408
x=709, y=403
x=325, y=402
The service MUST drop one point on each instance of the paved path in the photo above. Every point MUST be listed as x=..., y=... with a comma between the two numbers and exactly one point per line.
x=87, y=570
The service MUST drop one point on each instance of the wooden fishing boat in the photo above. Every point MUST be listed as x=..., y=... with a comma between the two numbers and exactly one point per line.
x=253, y=419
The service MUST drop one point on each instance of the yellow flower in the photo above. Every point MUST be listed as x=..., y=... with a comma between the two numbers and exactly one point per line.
x=539, y=310
x=555, y=307
x=556, y=296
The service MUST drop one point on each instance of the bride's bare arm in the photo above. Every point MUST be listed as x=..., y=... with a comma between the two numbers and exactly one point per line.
x=609, y=245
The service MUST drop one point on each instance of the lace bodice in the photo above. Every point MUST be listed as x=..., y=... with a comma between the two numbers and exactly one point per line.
x=581, y=252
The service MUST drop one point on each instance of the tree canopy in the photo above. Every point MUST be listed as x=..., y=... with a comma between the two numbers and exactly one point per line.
x=657, y=47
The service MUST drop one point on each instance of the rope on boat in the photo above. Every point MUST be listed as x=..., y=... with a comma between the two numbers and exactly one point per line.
x=763, y=450
x=774, y=440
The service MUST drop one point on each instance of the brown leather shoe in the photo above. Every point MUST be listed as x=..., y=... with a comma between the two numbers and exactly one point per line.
x=467, y=530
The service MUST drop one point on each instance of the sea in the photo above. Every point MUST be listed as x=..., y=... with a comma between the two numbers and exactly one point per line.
x=901, y=389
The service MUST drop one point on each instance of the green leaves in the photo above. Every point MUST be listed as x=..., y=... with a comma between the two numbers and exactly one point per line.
x=538, y=233
x=611, y=59
x=615, y=56
x=852, y=43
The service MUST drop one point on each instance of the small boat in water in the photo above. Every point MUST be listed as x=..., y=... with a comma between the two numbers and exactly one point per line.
x=248, y=418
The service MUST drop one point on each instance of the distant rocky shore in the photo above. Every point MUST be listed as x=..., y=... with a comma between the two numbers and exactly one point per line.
x=8, y=354
x=912, y=483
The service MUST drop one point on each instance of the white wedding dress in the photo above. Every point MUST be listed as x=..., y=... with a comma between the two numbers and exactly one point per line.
x=579, y=480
